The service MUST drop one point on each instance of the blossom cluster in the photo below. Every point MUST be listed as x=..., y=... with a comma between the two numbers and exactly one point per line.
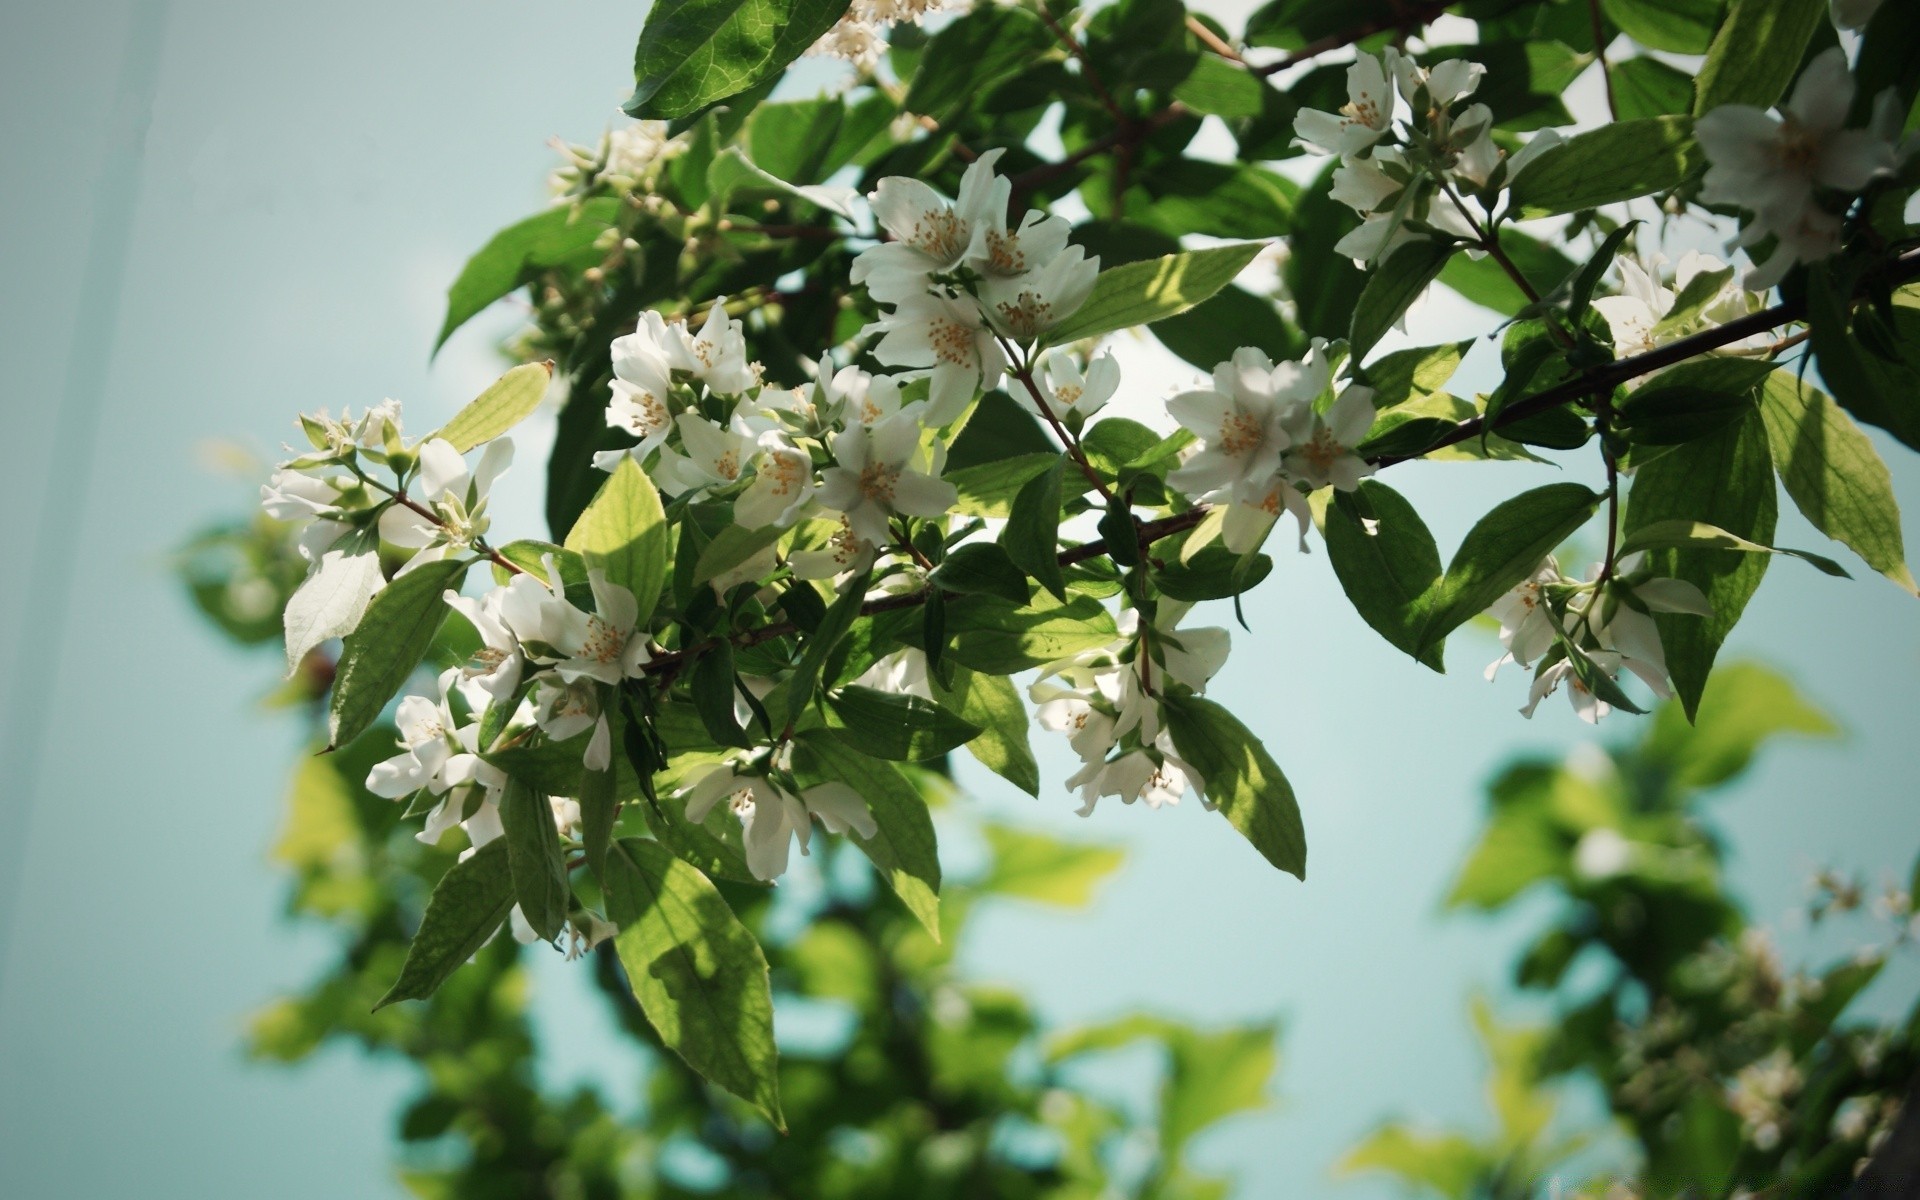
x=1797, y=171
x=1269, y=433
x=1416, y=160
x=860, y=37
x=1581, y=632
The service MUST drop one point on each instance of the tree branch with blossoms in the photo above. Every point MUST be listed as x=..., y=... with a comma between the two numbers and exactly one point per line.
x=815, y=535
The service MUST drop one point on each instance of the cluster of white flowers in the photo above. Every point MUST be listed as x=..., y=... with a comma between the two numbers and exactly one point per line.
x=860, y=37
x=1107, y=702
x=364, y=485
x=772, y=809
x=1646, y=313
x=1416, y=161
x=1267, y=435
x=1550, y=618
x=1797, y=171
x=624, y=158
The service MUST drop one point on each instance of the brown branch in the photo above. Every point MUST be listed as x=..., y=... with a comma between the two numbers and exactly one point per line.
x=1602, y=380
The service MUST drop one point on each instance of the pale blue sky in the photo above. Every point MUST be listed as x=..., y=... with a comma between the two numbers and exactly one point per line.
x=314, y=176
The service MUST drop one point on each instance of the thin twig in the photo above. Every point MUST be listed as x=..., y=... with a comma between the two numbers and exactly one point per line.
x=1408, y=20
x=1600, y=52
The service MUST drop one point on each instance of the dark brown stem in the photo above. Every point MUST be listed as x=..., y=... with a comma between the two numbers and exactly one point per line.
x=1068, y=442
x=1073, y=47
x=1600, y=52
x=1602, y=380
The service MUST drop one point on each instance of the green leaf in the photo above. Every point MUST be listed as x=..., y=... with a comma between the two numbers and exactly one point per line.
x=1208, y=333
x=903, y=849
x=1241, y=779
x=534, y=859
x=982, y=569
x=993, y=703
x=1034, y=866
x=1647, y=87
x=1214, y=1075
x=624, y=533
x=711, y=682
x=599, y=811
x=967, y=58
x=392, y=637
x=1609, y=164
x=1756, y=52
x=507, y=402
x=699, y=975
x=1448, y=1164
x=1502, y=549
x=564, y=236
x=1874, y=389
x=1215, y=573
x=1408, y=374
x=1143, y=292
x=895, y=726
x=1387, y=562
x=1325, y=285
x=1219, y=88
x=813, y=655
x=998, y=638
x=1834, y=474
x=1698, y=535
x=1725, y=479
x=467, y=906
x=695, y=53
x=1521, y=844
x=1692, y=400
x=553, y=768
x=1032, y=536
x=731, y=547
x=1677, y=26
x=1745, y=704
x=988, y=489
x=1392, y=289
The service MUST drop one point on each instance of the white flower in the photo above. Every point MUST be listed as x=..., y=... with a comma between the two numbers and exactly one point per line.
x=717, y=355
x=1622, y=627
x=1251, y=515
x=311, y=502
x=858, y=42
x=1320, y=450
x=1363, y=120
x=948, y=333
x=564, y=710
x=1002, y=253
x=642, y=383
x=1527, y=627
x=1065, y=390
x=771, y=816
x=1770, y=165
x=601, y=645
x=1158, y=778
x=1240, y=423
x=1587, y=706
x=457, y=497
x=628, y=151
x=714, y=456
x=496, y=667
x=1634, y=316
x=903, y=673
x=783, y=485
x=439, y=755
x=1025, y=306
x=1446, y=82
x=930, y=235
x=882, y=471
x=1853, y=14
x=845, y=554
x=1476, y=162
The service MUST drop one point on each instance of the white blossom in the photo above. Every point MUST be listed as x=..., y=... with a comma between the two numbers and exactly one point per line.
x=771, y=816
x=1025, y=306
x=846, y=553
x=602, y=645
x=1853, y=14
x=1064, y=390
x=947, y=332
x=496, y=667
x=456, y=496
x=782, y=488
x=441, y=756
x=882, y=470
x=1527, y=625
x=930, y=235
x=1771, y=165
x=1363, y=120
